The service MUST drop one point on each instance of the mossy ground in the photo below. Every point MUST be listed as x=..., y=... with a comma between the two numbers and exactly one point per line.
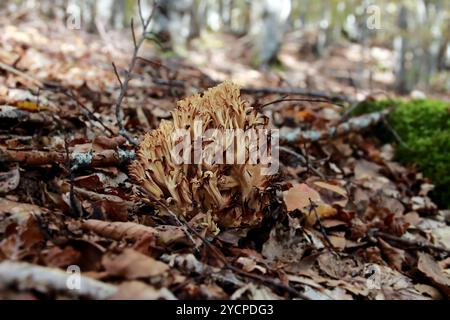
x=424, y=126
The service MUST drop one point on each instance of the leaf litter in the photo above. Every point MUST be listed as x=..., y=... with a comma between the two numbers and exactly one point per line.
x=341, y=220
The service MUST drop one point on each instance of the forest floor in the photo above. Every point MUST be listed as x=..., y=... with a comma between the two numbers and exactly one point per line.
x=68, y=201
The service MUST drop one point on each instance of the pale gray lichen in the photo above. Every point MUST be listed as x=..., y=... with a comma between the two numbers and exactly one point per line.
x=126, y=155
x=81, y=159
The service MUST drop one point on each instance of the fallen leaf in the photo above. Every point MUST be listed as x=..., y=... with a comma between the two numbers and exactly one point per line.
x=336, y=189
x=136, y=290
x=299, y=196
x=131, y=265
x=9, y=180
x=433, y=271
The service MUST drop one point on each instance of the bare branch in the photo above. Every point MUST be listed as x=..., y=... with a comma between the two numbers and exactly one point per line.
x=141, y=15
x=355, y=124
x=117, y=75
x=133, y=33
x=125, y=83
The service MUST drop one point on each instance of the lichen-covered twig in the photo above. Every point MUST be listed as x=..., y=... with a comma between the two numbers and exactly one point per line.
x=78, y=160
x=356, y=124
x=124, y=83
x=33, y=277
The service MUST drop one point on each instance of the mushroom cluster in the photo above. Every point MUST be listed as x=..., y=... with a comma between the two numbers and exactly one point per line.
x=219, y=179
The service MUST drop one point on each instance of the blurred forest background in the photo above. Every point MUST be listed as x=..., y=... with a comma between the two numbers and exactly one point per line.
x=369, y=45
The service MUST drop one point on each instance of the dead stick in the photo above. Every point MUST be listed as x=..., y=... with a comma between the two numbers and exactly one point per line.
x=356, y=124
x=29, y=276
x=38, y=158
x=296, y=91
x=411, y=243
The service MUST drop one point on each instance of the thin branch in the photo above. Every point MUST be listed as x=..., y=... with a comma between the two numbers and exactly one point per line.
x=406, y=242
x=141, y=15
x=219, y=255
x=69, y=93
x=355, y=124
x=125, y=83
x=260, y=107
x=302, y=159
x=105, y=158
x=313, y=208
x=117, y=75
x=296, y=91
x=395, y=134
x=45, y=279
x=21, y=74
x=132, y=32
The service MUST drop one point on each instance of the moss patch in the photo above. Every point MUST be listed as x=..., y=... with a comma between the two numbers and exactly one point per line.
x=424, y=125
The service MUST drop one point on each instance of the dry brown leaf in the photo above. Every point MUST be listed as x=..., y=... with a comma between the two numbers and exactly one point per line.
x=9, y=180
x=250, y=265
x=119, y=230
x=131, y=265
x=336, y=189
x=16, y=212
x=433, y=271
x=301, y=196
x=136, y=290
x=298, y=197
x=395, y=257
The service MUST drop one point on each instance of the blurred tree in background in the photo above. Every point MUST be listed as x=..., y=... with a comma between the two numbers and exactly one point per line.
x=417, y=31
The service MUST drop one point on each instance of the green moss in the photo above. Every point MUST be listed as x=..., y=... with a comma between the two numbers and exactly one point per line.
x=424, y=125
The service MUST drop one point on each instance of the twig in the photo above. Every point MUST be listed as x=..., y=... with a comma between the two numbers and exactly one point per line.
x=44, y=279
x=296, y=91
x=395, y=134
x=411, y=243
x=74, y=204
x=219, y=255
x=21, y=74
x=313, y=208
x=104, y=158
x=69, y=93
x=268, y=281
x=284, y=99
x=172, y=214
x=124, y=84
x=117, y=75
x=302, y=160
x=355, y=124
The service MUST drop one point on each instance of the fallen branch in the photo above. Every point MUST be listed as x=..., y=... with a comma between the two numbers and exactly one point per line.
x=356, y=124
x=28, y=276
x=10, y=113
x=104, y=158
